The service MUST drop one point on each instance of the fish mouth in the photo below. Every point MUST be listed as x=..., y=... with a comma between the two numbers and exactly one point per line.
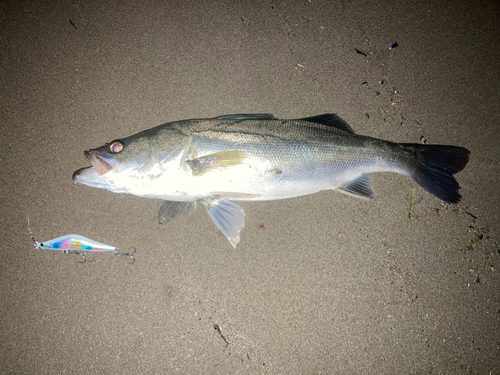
x=99, y=166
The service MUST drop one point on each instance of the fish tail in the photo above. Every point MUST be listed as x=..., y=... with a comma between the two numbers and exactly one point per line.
x=434, y=169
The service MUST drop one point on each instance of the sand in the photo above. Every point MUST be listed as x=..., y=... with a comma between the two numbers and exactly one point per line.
x=324, y=283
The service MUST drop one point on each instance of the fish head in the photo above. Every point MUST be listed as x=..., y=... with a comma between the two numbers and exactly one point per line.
x=131, y=165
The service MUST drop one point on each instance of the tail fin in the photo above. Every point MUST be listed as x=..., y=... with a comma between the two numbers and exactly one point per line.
x=435, y=168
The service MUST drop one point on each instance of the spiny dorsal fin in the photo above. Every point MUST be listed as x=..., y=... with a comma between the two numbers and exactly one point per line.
x=330, y=119
x=246, y=116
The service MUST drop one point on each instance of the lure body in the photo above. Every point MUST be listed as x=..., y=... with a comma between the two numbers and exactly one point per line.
x=77, y=244
x=74, y=242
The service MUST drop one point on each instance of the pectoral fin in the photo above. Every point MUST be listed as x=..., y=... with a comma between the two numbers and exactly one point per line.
x=229, y=218
x=170, y=209
x=217, y=161
x=361, y=187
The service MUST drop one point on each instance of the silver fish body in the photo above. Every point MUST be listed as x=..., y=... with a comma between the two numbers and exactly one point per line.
x=257, y=157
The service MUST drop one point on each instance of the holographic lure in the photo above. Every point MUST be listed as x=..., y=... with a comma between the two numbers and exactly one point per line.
x=71, y=243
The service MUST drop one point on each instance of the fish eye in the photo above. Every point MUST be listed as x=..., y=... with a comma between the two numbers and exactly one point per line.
x=116, y=146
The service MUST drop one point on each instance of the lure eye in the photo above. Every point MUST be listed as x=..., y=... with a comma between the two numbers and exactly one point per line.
x=116, y=147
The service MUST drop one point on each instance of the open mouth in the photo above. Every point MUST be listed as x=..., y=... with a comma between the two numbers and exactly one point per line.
x=98, y=163
x=99, y=166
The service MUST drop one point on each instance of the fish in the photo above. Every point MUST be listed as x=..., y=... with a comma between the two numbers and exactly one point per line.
x=257, y=157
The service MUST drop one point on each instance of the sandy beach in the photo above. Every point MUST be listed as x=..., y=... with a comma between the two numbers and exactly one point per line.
x=319, y=284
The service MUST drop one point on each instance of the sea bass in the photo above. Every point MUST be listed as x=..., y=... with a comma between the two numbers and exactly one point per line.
x=258, y=157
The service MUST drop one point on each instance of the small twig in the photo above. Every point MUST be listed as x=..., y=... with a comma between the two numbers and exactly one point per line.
x=360, y=52
x=410, y=212
x=217, y=328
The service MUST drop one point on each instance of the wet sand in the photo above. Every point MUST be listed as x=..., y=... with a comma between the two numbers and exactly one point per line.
x=324, y=283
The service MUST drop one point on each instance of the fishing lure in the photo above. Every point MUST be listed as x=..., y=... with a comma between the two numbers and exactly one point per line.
x=71, y=243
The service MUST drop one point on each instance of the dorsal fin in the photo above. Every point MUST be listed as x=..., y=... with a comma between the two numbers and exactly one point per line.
x=245, y=116
x=330, y=119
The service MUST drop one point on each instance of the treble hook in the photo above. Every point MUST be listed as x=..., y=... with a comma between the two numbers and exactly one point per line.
x=130, y=255
x=76, y=253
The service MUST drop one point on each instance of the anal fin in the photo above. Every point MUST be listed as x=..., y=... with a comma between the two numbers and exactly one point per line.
x=361, y=187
